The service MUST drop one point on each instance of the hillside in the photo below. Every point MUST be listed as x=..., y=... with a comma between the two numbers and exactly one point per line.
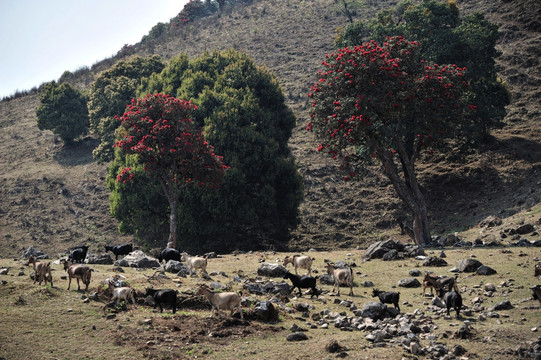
x=54, y=198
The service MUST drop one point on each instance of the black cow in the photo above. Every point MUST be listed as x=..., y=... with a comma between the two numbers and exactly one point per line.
x=163, y=296
x=123, y=249
x=78, y=254
x=169, y=254
x=453, y=300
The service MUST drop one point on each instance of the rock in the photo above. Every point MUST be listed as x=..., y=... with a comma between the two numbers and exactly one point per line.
x=266, y=311
x=504, y=305
x=490, y=221
x=275, y=288
x=326, y=279
x=374, y=310
x=254, y=288
x=449, y=240
x=468, y=265
x=436, y=301
x=138, y=259
x=409, y=283
x=525, y=229
x=174, y=266
x=378, y=249
x=210, y=255
x=271, y=270
x=217, y=286
x=415, y=272
x=35, y=253
x=296, y=336
x=486, y=270
x=103, y=259
x=490, y=287
x=333, y=347
x=4, y=271
x=523, y=243
x=435, y=261
x=367, y=284
x=390, y=255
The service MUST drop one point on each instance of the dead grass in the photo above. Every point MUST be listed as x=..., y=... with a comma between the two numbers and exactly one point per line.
x=50, y=322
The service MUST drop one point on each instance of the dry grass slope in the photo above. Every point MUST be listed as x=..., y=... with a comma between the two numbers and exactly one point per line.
x=54, y=198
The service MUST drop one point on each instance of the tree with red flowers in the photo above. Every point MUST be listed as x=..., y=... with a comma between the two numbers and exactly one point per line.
x=381, y=103
x=160, y=132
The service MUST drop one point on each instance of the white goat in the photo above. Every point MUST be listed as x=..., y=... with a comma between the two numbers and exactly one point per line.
x=299, y=261
x=341, y=276
x=221, y=300
x=123, y=294
x=42, y=270
x=195, y=262
x=78, y=271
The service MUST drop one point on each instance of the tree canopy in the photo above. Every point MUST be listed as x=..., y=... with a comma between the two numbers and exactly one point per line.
x=63, y=110
x=241, y=110
x=382, y=102
x=112, y=90
x=445, y=37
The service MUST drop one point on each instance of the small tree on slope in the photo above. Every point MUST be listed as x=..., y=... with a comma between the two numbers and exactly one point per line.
x=159, y=131
x=382, y=103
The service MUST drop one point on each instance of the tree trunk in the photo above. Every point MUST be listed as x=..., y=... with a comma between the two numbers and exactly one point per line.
x=173, y=223
x=409, y=191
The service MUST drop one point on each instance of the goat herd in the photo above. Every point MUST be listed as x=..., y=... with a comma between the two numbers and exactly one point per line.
x=76, y=269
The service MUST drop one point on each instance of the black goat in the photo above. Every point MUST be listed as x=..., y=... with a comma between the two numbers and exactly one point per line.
x=163, y=296
x=387, y=297
x=306, y=282
x=78, y=254
x=169, y=254
x=123, y=249
x=453, y=300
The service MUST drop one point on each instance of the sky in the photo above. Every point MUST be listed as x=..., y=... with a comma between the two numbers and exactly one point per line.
x=40, y=39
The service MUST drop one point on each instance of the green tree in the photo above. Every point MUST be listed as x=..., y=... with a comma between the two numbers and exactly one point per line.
x=382, y=103
x=112, y=90
x=160, y=132
x=243, y=114
x=446, y=38
x=63, y=110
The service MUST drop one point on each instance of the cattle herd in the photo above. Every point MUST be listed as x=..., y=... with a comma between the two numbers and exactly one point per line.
x=446, y=287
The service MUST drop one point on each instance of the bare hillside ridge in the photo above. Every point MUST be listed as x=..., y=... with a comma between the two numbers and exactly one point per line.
x=54, y=198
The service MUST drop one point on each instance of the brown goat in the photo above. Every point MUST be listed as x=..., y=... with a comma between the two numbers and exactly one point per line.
x=42, y=270
x=78, y=271
x=341, y=276
x=435, y=282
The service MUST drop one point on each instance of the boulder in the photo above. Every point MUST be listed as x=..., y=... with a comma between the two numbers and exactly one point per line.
x=326, y=279
x=490, y=221
x=409, y=283
x=374, y=310
x=468, y=265
x=380, y=248
x=138, y=259
x=266, y=311
x=435, y=261
x=525, y=229
x=297, y=336
x=504, y=305
x=35, y=253
x=271, y=270
x=174, y=266
x=103, y=259
x=486, y=270
x=390, y=255
x=276, y=288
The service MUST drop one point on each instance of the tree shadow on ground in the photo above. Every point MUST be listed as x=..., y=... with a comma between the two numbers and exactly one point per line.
x=80, y=153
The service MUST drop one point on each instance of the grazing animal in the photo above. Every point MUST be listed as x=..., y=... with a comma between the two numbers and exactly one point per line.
x=195, y=262
x=163, y=296
x=221, y=300
x=299, y=261
x=452, y=299
x=435, y=282
x=537, y=270
x=387, y=297
x=341, y=276
x=123, y=249
x=78, y=254
x=169, y=254
x=123, y=294
x=79, y=272
x=305, y=282
x=42, y=270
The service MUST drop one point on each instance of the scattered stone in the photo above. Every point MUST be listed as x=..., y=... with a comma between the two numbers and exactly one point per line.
x=469, y=265
x=296, y=336
x=35, y=253
x=485, y=270
x=374, y=310
x=367, y=284
x=435, y=261
x=138, y=259
x=266, y=311
x=409, y=283
x=4, y=271
x=490, y=287
x=490, y=222
x=103, y=259
x=415, y=272
x=525, y=229
x=271, y=270
x=504, y=305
